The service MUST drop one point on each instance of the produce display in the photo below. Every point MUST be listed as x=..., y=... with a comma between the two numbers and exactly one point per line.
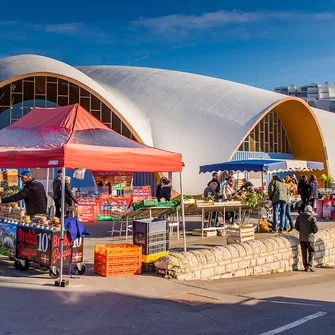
x=12, y=213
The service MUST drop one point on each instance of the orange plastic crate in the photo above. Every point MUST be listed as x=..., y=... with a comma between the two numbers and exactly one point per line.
x=117, y=259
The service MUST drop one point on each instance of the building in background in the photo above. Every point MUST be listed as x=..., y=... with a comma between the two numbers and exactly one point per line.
x=320, y=96
x=207, y=120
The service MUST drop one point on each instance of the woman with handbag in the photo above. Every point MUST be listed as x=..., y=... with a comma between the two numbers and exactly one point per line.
x=70, y=199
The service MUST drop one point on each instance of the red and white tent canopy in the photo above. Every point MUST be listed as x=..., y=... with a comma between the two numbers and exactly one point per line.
x=71, y=137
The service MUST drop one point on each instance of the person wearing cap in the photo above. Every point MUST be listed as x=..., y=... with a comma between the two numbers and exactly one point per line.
x=307, y=227
x=33, y=194
x=57, y=194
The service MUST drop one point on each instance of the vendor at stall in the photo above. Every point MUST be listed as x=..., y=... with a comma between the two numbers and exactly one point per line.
x=247, y=186
x=165, y=191
x=215, y=179
x=107, y=184
x=228, y=191
x=210, y=190
x=33, y=194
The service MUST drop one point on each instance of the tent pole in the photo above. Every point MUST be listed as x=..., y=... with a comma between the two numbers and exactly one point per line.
x=61, y=246
x=48, y=177
x=182, y=209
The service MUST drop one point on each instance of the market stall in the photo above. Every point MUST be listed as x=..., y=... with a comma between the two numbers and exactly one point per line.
x=70, y=137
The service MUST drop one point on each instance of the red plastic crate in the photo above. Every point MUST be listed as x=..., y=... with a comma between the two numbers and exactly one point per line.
x=117, y=259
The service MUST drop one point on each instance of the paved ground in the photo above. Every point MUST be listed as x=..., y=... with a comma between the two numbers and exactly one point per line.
x=30, y=304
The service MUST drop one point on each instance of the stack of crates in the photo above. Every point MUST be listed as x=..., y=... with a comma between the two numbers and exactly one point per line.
x=117, y=259
x=153, y=236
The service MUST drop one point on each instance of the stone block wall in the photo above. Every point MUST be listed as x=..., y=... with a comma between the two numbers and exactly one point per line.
x=266, y=256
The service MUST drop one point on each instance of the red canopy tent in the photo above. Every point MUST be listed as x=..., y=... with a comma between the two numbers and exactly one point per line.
x=70, y=137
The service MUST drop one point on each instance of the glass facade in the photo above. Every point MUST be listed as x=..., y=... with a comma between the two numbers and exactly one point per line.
x=268, y=136
x=19, y=97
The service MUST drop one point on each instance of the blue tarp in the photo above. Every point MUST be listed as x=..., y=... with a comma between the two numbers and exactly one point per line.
x=261, y=165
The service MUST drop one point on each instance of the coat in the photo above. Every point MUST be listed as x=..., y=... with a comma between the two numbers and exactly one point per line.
x=209, y=192
x=227, y=191
x=278, y=190
x=33, y=194
x=217, y=190
x=69, y=198
x=165, y=193
x=307, y=226
x=314, y=189
x=304, y=189
x=56, y=188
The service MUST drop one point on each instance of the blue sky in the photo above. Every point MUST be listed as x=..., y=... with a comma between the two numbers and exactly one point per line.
x=261, y=43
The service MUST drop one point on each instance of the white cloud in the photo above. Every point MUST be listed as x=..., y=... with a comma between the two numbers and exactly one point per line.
x=184, y=24
x=63, y=28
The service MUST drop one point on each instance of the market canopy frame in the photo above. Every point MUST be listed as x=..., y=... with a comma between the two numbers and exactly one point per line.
x=70, y=137
x=263, y=165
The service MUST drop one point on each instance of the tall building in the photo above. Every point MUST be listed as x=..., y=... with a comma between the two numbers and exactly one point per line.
x=317, y=95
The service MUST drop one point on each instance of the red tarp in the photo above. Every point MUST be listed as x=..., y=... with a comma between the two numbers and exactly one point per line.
x=71, y=137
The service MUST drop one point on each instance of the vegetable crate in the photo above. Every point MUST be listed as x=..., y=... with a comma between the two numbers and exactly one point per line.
x=166, y=204
x=117, y=259
x=146, y=203
x=240, y=234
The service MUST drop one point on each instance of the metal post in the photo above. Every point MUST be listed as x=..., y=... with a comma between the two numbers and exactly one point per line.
x=47, y=188
x=182, y=209
x=61, y=246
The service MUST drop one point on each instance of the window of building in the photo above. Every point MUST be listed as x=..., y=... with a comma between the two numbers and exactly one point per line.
x=18, y=98
x=268, y=136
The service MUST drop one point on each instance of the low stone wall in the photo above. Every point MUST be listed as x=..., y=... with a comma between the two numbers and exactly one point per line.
x=273, y=255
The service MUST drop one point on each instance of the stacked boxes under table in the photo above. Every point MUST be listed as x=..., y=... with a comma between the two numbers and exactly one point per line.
x=153, y=236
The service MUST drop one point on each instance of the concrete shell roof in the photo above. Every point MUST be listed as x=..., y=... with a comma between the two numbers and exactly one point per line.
x=203, y=118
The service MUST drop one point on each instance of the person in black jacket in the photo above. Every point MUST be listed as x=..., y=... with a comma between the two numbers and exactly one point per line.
x=33, y=194
x=70, y=199
x=304, y=190
x=307, y=226
x=165, y=191
x=215, y=179
x=57, y=194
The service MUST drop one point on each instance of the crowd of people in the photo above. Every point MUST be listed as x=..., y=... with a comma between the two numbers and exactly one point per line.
x=280, y=193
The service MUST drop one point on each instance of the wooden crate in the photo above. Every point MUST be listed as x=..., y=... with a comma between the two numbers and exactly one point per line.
x=240, y=234
x=207, y=233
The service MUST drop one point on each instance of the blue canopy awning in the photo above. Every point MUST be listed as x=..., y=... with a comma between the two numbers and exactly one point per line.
x=263, y=165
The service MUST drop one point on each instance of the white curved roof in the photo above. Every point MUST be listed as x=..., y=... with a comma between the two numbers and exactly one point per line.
x=203, y=118
x=25, y=64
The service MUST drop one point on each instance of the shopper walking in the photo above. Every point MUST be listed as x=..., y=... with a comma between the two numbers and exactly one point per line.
x=290, y=189
x=56, y=192
x=304, y=191
x=307, y=226
x=70, y=199
x=278, y=193
x=313, y=182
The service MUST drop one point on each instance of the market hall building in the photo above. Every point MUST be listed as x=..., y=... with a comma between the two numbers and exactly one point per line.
x=206, y=119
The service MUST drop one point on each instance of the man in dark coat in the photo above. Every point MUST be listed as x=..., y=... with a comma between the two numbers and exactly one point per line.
x=307, y=226
x=57, y=194
x=215, y=179
x=33, y=194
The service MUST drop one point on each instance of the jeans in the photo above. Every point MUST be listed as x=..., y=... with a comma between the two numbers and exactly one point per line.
x=276, y=206
x=289, y=216
x=307, y=252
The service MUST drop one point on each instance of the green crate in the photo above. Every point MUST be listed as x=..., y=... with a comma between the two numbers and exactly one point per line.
x=166, y=204
x=146, y=203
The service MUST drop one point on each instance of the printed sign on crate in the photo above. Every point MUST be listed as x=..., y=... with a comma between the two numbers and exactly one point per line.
x=107, y=206
x=87, y=210
x=140, y=193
